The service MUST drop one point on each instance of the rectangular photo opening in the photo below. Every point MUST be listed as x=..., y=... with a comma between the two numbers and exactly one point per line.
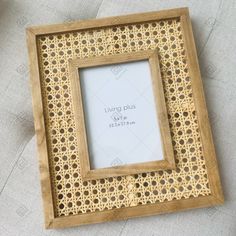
x=120, y=114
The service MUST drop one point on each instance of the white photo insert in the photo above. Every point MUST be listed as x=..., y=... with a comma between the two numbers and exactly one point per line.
x=120, y=114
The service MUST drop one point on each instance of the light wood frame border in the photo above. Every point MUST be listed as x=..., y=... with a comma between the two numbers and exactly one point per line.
x=216, y=197
x=168, y=161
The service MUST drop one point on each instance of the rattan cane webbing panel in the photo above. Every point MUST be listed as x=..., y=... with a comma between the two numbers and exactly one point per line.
x=73, y=196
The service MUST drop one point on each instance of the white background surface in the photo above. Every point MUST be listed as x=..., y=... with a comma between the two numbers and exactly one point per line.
x=120, y=114
x=20, y=201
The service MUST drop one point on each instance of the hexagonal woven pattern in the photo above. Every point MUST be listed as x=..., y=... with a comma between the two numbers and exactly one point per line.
x=71, y=194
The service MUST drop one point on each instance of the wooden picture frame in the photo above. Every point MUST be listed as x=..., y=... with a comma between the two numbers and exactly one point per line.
x=158, y=90
x=68, y=200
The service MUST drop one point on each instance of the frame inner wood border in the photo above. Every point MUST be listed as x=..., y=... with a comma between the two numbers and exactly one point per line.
x=160, y=105
x=216, y=197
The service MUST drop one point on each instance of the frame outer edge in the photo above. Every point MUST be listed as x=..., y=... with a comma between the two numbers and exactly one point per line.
x=40, y=131
x=108, y=21
x=166, y=207
x=134, y=212
x=201, y=109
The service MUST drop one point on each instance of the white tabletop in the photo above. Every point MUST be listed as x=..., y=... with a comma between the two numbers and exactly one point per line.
x=214, y=24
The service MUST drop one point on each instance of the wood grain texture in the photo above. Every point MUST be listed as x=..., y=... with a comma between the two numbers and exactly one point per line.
x=109, y=21
x=40, y=130
x=199, y=99
x=126, y=213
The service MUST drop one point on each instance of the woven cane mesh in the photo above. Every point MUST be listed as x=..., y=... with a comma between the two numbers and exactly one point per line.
x=72, y=195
